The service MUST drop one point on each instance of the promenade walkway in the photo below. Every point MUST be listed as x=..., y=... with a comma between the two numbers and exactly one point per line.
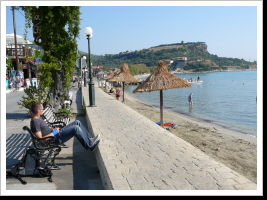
x=137, y=154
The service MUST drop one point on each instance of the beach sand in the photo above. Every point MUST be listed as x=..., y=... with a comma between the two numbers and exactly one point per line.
x=236, y=150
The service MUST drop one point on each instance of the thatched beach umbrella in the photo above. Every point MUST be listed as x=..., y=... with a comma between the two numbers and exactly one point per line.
x=160, y=80
x=110, y=75
x=123, y=76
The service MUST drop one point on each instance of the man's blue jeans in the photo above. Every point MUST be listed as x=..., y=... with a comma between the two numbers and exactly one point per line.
x=78, y=130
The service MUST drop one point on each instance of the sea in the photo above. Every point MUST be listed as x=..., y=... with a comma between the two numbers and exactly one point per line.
x=228, y=99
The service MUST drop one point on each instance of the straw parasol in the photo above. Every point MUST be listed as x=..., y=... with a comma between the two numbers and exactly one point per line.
x=110, y=75
x=124, y=76
x=160, y=80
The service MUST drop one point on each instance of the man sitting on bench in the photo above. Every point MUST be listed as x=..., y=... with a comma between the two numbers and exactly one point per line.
x=42, y=130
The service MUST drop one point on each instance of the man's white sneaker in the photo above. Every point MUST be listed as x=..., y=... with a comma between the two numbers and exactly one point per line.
x=96, y=138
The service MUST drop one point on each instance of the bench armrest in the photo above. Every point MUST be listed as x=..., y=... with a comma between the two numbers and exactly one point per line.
x=42, y=143
x=45, y=143
x=59, y=124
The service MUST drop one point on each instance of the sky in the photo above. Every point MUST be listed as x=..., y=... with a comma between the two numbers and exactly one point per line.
x=229, y=30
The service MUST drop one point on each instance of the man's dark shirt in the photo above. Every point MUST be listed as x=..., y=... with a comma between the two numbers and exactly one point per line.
x=40, y=125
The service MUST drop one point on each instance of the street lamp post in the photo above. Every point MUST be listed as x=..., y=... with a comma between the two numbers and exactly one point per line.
x=89, y=33
x=83, y=73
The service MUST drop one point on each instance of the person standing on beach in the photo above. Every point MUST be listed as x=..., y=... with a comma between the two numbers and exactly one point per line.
x=190, y=99
x=118, y=93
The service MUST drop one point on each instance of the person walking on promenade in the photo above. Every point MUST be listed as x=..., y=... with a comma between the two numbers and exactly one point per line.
x=17, y=80
x=40, y=128
x=190, y=99
x=118, y=93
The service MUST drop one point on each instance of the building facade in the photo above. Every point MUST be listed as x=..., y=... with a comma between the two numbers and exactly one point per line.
x=22, y=57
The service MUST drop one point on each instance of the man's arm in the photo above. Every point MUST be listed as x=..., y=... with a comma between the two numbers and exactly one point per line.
x=39, y=134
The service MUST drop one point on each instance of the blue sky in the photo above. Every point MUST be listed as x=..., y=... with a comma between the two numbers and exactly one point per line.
x=229, y=31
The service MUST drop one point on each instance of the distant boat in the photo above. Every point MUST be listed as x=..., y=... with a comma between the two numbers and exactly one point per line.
x=194, y=81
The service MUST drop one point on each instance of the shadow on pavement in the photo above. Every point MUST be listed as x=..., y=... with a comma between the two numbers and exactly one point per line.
x=86, y=175
x=16, y=144
x=17, y=116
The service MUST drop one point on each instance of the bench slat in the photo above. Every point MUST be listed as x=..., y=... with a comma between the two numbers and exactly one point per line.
x=51, y=118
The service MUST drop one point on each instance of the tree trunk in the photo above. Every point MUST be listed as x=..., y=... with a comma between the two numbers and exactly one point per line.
x=57, y=92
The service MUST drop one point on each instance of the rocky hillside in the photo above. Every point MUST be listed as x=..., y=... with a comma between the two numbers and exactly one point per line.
x=198, y=57
x=191, y=47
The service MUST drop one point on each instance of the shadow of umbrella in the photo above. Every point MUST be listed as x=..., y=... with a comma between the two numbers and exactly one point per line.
x=160, y=80
x=124, y=76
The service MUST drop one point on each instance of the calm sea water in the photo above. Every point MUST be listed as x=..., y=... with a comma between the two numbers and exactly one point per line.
x=224, y=98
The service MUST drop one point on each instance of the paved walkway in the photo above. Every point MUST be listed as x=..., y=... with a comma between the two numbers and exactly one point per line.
x=137, y=154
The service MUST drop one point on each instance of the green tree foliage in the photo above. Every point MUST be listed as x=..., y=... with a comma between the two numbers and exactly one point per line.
x=198, y=67
x=138, y=69
x=8, y=64
x=56, y=28
x=34, y=94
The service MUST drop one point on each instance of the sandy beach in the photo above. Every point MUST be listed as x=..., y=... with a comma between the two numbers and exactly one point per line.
x=235, y=150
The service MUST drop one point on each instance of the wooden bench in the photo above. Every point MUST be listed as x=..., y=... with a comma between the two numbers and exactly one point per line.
x=53, y=119
x=48, y=148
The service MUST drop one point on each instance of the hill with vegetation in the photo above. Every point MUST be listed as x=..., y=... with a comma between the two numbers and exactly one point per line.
x=198, y=58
